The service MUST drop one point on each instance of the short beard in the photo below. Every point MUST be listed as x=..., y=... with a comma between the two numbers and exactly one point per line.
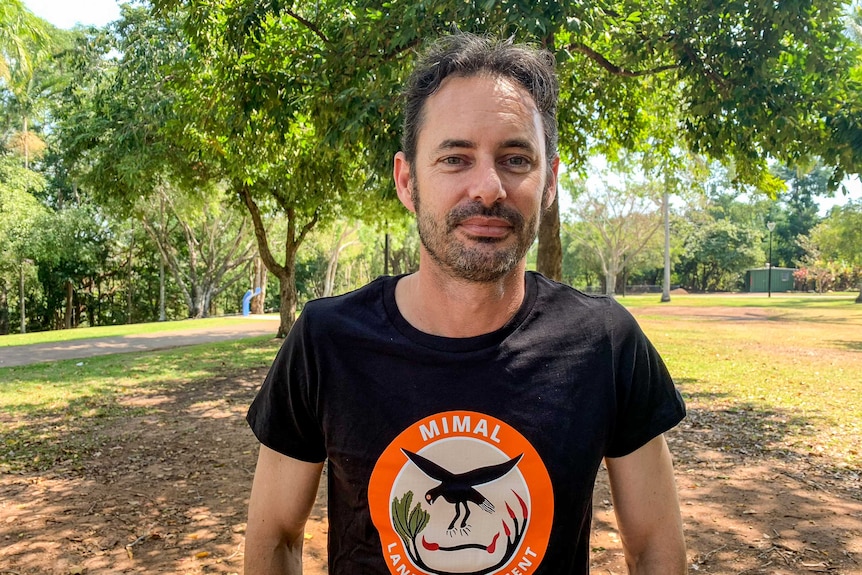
x=482, y=263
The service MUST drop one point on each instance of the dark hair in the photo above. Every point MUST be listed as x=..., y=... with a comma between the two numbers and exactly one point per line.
x=465, y=55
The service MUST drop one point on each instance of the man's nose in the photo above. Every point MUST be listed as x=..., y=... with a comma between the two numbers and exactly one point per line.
x=487, y=186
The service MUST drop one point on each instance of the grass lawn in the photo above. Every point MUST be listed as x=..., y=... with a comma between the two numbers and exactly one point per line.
x=39, y=401
x=836, y=300
x=115, y=330
x=791, y=370
x=789, y=366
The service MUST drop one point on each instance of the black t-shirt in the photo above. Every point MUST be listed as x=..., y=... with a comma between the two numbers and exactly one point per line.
x=473, y=455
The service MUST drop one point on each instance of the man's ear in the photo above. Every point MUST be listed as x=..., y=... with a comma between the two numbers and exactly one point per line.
x=552, y=182
x=403, y=181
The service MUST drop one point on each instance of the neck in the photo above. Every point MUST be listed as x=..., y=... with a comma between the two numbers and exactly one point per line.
x=438, y=304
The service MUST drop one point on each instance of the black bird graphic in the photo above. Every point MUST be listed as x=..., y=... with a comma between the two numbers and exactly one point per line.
x=458, y=488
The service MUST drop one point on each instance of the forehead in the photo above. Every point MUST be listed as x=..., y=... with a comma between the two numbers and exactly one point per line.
x=480, y=107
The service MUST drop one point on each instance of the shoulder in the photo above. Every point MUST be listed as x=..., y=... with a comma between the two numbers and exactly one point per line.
x=355, y=310
x=360, y=297
x=553, y=292
x=587, y=309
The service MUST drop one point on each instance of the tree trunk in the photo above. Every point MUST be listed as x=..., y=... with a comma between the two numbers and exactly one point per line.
x=129, y=284
x=859, y=297
x=67, y=318
x=21, y=299
x=665, y=214
x=386, y=254
x=4, y=308
x=610, y=283
x=287, y=293
x=286, y=274
x=259, y=281
x=196, y=309
x=163, y=316
x=549, y=261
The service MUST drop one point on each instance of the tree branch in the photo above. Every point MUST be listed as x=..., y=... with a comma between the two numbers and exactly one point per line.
x=308, y=24
x=613, y=68
x=260, y=233
x=710, y=73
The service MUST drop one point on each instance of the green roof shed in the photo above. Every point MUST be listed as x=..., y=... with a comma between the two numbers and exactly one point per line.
x=757, y=280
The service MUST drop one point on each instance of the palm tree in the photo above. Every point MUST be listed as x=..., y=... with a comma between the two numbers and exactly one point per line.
x=854, y=21
x=24, y=42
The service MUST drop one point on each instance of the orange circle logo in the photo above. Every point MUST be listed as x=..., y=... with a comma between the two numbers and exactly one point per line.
x=461, y=493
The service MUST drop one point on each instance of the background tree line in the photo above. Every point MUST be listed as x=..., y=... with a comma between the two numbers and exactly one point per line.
x=162, y=165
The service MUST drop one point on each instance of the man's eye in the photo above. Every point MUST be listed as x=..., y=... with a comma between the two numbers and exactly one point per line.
x=517, y=162
x=452, y=161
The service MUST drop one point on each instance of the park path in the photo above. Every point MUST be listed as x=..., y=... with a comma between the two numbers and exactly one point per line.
x=82, y=348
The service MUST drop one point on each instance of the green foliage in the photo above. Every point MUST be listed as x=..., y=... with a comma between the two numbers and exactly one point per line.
x=19, y=209
x=796, y=211
x=614, y=218
x=71, y=246
x=833, y=260
x=715, y=253
x=112, y=118
x=839, y=235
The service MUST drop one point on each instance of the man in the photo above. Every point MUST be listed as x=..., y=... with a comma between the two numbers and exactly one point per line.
x=464, y=410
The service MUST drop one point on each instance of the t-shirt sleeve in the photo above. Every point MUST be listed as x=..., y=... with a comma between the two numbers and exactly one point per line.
x=648, y=403
x=283, y=415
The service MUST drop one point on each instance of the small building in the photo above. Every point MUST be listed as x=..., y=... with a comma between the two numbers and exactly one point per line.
x=757, y=280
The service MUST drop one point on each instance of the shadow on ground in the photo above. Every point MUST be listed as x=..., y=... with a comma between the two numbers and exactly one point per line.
x=158, y=483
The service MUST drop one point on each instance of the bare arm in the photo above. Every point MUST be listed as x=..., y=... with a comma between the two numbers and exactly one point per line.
x=647, y=510
x=282, y=495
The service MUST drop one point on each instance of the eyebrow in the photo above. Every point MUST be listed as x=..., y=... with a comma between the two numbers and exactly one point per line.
x=452, y=144
x=467, y=144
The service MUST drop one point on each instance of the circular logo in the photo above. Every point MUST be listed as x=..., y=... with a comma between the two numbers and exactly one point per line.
x=461, y=493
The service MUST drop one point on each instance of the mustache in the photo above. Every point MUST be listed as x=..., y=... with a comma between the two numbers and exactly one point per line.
x=499, y=211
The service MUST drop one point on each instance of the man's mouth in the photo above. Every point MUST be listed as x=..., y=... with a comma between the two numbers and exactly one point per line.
x=486, y=227
x=478, y=221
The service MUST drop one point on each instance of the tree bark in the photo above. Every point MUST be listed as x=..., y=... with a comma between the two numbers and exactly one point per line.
x=259, y=281
x=4, y=307
x=549, y=261
x=287, y=298
x=67, y=318
x=129, y=283
x=163, y=316
x=21, y=299
x=286, y=273
x=859, y=297
x=665, y=214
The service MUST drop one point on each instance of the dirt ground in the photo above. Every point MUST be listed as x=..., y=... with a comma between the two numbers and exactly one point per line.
x=165, y=491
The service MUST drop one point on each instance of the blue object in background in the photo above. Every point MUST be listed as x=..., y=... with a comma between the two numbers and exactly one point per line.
x=246, y=301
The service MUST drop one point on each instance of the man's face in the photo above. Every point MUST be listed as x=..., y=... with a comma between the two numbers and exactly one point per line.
x=480, y=178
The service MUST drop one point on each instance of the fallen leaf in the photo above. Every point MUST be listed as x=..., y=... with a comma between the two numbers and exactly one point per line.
x=202, y=554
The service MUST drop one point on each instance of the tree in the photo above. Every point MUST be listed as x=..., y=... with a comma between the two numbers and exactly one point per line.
x=720, y=239
x=838, y=239
x=617, y=221
x=115, y=137
x=265, y=132
x=204, y=245
x=20, y=215
x=68, y=249
x=796, y=212
x=26, y=44
x=748, y=81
